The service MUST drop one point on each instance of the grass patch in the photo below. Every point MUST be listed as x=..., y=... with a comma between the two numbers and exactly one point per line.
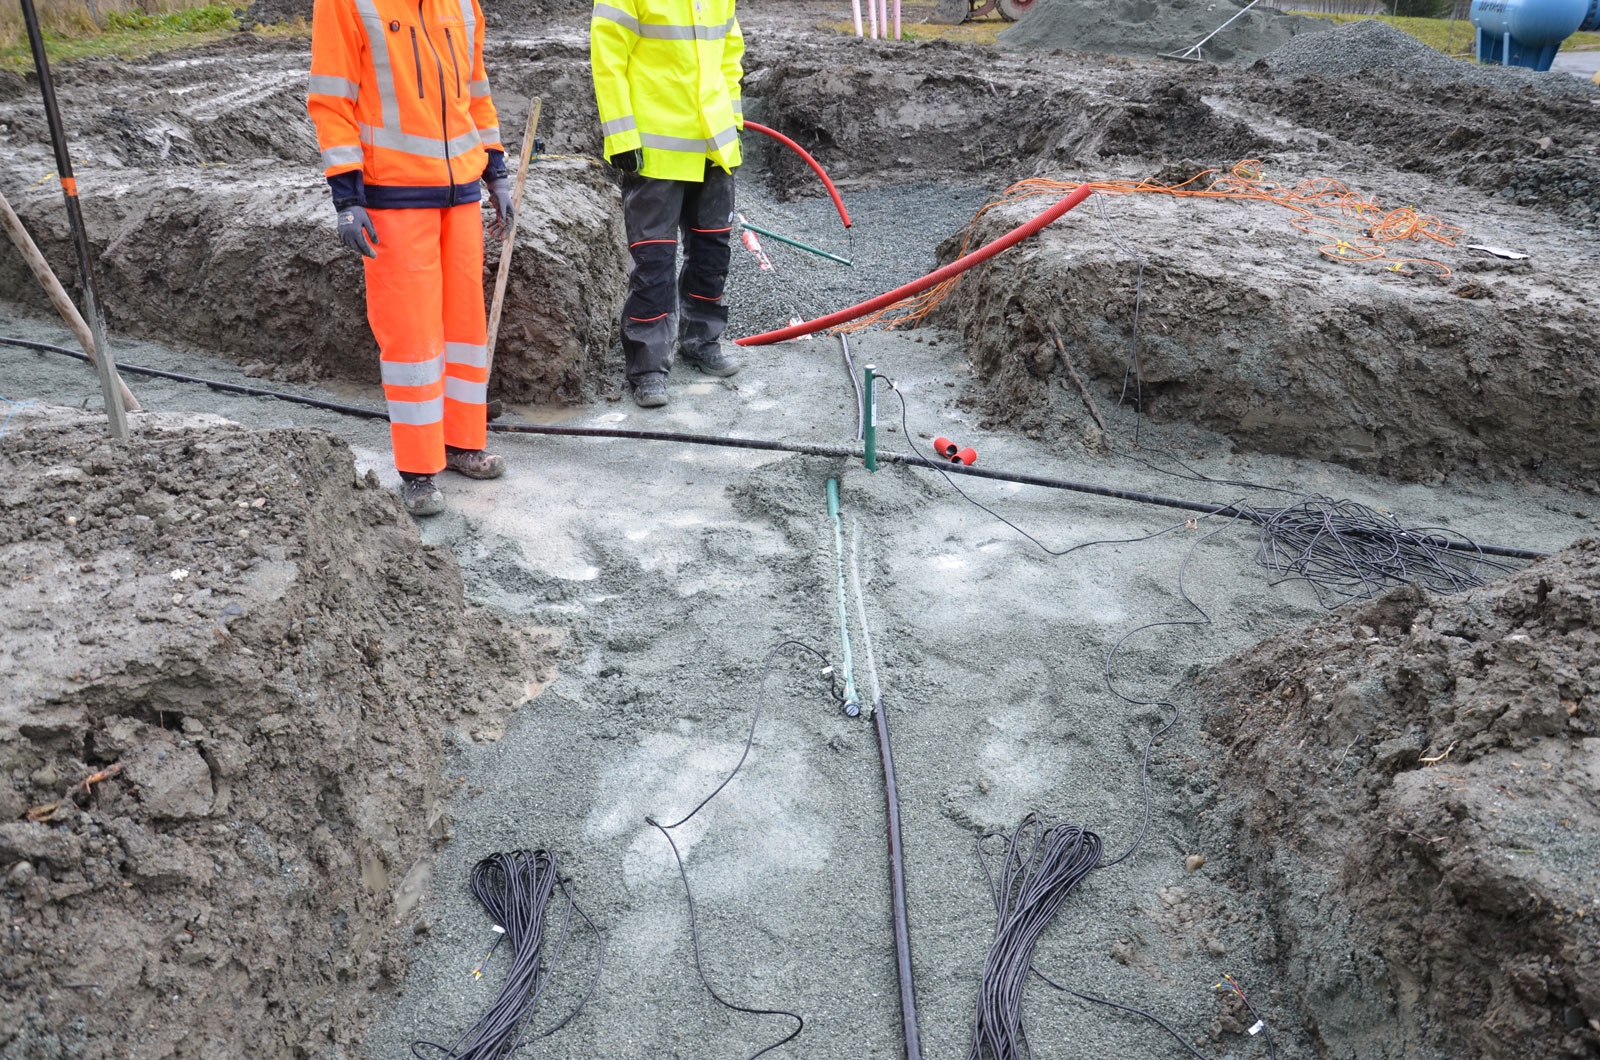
x=70, y=31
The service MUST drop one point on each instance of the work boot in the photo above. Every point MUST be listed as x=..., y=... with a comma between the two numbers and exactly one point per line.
x=712, y=360
x=421, y=495
x=474, y=463
x=650, y=391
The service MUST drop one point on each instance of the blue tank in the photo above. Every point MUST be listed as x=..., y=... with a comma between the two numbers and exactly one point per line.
x=1529, y=32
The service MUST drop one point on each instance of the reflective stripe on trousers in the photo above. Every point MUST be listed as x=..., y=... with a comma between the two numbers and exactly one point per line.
x=425, y=305
x=658, y=313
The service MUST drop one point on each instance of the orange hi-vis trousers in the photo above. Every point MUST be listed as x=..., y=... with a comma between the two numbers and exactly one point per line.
x=425, y=305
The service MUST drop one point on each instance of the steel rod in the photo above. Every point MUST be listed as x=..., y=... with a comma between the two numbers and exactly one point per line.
x=796, y=243
x=104, y=364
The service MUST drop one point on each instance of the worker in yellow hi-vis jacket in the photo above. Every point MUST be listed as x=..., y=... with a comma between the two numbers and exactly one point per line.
x=666, y=76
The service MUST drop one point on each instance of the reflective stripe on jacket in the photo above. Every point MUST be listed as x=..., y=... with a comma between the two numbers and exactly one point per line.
x=666, y=77
x=399, y=95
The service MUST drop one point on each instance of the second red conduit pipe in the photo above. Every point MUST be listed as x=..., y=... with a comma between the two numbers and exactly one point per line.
x=838, y=203
x=938, y=276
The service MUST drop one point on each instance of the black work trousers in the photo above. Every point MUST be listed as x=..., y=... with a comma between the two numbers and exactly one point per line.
x=692, y=312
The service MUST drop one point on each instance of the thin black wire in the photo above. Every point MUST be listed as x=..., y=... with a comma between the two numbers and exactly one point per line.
x=1046, y=549
x=683, y=874
x=1111, y=685
x=1134, y=367
x=516, y=889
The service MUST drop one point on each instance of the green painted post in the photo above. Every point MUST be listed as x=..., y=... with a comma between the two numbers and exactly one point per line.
x=869, y=395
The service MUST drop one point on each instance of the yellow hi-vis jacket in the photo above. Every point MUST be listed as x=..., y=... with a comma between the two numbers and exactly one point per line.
x=666, y=77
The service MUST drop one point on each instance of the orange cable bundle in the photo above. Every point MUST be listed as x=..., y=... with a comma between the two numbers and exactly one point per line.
x=1354, y=228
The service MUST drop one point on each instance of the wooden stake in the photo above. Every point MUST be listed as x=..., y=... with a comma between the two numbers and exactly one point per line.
x=1083, y=390
x=506, y=245
x=58, y=294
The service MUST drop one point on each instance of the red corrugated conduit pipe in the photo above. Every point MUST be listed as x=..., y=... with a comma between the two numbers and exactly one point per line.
x=844, y=215
x=960, y=265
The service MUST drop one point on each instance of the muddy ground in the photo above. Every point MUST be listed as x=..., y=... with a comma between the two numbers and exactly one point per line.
x=1419, y=771
x=671, y=571
x=249, y=650
x=674, y=570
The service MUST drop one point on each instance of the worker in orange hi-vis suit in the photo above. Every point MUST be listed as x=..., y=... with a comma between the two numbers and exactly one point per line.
x=407, y=129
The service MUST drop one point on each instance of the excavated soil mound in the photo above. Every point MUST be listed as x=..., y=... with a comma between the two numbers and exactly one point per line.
x=1246, y=328
x=935, y=114
x=1372, y=44
x=1146, y=28
x=212, y=226
x=1413, y=783
x=230, y=670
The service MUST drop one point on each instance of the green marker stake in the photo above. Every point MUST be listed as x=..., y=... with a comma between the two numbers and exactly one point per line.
x=852, y=699
x=796, y=243
x=869, y=395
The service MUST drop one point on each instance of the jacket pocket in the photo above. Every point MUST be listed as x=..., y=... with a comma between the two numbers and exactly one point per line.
x=416, y=57
x=455, y=62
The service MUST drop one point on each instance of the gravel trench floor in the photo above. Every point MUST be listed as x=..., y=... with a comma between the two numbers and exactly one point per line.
x=673, y=570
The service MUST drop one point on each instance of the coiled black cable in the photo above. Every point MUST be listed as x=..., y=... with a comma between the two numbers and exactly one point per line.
x=516, y=890
x=1041, y=866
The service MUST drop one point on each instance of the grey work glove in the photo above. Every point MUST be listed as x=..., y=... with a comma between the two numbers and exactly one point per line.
x=628, y=161
x=357, y=232
x=500, y=199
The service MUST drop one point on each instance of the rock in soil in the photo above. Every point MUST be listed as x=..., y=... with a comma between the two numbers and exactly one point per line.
x=231, y=671
x=1412, y=783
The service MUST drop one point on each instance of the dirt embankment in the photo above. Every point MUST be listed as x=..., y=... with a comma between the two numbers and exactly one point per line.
x=212, y=225
x=941, y=112
x=1246, y=328
x=252, y=650
x=1413, y=785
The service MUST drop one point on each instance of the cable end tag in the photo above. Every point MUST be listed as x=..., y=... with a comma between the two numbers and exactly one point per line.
x=498, y=930
x=1258, y=1028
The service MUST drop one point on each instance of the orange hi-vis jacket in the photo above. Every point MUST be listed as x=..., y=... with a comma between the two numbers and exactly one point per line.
x=401, y=102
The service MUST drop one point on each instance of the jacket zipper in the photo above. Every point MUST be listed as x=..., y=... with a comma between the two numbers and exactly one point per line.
x=416, y=55
x=444, y=120
x=453, y=64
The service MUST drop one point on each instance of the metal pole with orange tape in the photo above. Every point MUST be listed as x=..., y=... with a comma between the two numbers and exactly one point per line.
x=104, y=365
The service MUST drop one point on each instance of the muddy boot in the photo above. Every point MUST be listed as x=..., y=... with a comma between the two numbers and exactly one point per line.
x=420, y=494
x=474, y=463
x=650, y=392
x=712, y=360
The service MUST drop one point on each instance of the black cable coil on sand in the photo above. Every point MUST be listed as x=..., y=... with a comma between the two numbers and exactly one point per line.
x=1041, y=867
x=516, y=889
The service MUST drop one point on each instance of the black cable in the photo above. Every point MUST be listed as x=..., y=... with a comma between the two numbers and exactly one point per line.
x=1040, y=868
x=848, y=452
x=1046, y=549
x=1111, y=685
x=516, y=889
x=666, y=831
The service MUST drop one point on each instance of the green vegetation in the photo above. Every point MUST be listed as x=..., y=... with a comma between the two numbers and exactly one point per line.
x=123, y=29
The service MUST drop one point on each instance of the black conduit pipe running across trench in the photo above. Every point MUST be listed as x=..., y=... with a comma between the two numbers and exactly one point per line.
x=804, y=449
